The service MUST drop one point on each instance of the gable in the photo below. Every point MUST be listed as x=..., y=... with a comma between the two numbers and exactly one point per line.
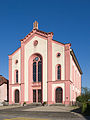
x=41, y=47
x=30, y=37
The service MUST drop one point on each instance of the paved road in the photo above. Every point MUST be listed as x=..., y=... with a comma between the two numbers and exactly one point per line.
x=20, y=114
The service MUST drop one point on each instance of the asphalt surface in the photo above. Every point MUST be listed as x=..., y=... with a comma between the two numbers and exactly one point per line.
x=20, y=114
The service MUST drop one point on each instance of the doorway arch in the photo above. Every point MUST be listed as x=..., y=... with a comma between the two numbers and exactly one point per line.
x=58, y=95
x=16, y=96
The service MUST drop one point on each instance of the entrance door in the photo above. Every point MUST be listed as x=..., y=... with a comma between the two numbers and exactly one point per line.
x=39, y=95
x=34, y=95
x=59, y=95
x=16, y=96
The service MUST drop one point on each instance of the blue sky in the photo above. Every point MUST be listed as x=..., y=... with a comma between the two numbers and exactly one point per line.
x=69, y=20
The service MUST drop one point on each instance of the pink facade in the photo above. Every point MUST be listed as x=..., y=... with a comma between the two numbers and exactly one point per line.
x=48, y=71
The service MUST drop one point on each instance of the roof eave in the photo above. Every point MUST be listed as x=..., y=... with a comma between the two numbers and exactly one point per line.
x=76, y=61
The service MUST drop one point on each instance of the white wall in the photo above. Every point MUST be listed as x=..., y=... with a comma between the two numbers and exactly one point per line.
x=3, y=92
x=16, y=56
x=13, y=93
x=57, y=48
x=29, y=50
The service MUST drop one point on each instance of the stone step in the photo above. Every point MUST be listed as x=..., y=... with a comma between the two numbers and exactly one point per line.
x=1, y=104
x=16, y=104
x=34, y=104
x=57, y=104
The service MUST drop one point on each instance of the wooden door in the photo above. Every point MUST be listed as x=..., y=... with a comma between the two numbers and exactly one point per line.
x=34, y=95
x=39, y=95
x=16, y=96
x=59, y=95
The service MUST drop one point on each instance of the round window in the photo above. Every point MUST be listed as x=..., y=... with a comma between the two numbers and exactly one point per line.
x=58, y=54
x=35, y=43
x=37, y=58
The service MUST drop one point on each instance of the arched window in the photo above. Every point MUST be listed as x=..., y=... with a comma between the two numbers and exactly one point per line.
x=58, y=72
x=37, y=69
x=16, y=76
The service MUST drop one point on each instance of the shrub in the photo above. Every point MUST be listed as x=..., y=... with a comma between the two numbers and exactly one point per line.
x=44, y=103
x=86, y=93
x=24, y=103
x=84, y=99
x=88, y=106
x=85, y=96
x=87, y=112
x=81, y=99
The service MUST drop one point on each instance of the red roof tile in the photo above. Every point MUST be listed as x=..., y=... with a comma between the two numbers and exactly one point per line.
x=3, y=80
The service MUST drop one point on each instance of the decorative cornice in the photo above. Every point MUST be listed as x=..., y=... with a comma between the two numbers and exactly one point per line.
x=15, y=84
x=60, y=81
x=14, y=52
x=38, y=32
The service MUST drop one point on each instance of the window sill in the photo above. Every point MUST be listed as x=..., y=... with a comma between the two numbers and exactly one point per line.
x=16, y=83
x=36, y=83
x=58, y=80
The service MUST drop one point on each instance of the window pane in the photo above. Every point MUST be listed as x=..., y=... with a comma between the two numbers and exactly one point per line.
x=34, y=72
x=17, y=76
x=58, y=72
x=37, y=58
x=39, y=71
x=39, y=95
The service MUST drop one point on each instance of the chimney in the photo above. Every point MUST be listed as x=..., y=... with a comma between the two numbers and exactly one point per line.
x=35, y=25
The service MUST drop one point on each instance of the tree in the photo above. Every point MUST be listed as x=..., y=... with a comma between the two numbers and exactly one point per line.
x=85, y=95
x=84, y=99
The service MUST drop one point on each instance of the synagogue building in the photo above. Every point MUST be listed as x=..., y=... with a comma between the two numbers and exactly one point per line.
x=43, y=70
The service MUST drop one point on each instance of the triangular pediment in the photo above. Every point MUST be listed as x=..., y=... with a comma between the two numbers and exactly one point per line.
x=36, y=32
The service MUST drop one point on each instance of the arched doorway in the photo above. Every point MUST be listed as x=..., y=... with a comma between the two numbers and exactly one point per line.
x=16, y=96
x=59, y=95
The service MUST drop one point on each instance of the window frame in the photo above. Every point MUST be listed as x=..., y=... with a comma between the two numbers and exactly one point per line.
x=38, y=73
x=16, y=75
x=34, y=80
x=58, y=65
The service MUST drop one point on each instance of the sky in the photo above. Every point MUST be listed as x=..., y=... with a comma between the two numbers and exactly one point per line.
x=69, y=20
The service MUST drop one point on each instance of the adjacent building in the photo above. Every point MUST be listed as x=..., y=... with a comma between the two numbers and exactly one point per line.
x=43, y=70
x=4, y=89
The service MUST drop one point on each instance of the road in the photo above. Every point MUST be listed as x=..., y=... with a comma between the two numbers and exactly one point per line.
x=27, y=113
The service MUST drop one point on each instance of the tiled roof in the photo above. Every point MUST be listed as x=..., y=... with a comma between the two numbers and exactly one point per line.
x=3, y=80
